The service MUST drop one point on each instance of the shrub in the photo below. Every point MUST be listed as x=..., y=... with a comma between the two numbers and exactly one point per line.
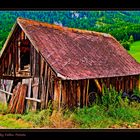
x=126, y=45
x=111, y=98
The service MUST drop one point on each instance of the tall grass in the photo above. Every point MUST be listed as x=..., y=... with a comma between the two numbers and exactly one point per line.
x=111, y=112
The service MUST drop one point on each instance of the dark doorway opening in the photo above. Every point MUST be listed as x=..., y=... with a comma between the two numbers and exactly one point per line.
x=25, y=54
x=93, y=92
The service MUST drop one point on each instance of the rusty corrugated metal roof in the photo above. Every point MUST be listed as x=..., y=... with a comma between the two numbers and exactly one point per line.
x=79, y=54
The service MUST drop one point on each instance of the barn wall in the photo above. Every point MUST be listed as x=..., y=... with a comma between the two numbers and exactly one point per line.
x=10, y=64
x=125, y=83
x=70, y=93
x=38, y=73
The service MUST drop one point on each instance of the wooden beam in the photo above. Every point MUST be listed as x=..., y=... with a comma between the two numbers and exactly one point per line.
x=27, y=98
x=64, y=96
x=19, y=57
x=3, y=96
x=60, y=94
x=21, y=99
x=98, y=85
x=35, y=92
x=57, y=93
x=9, y=77
x=28, y=82
x=43, y=94
x=84, y=92
x=87, y=89
x=131, y=83
x=48, y=85
x=123, y=85
x=78, y=93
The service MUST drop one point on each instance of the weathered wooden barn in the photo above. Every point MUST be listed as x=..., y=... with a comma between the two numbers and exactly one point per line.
x=63, y=65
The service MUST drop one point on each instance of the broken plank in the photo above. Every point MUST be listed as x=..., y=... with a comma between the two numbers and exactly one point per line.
x=32, y=99
x=2, y=96
x=28, y=82
x=35, y=93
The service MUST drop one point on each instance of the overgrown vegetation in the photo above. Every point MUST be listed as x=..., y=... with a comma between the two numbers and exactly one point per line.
x=112, y=112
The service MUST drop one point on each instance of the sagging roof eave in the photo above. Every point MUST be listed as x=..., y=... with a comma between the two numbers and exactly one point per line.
x=99, y=77
x=8, y=39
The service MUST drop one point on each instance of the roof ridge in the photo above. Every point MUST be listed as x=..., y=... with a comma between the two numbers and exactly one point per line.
x=64, y=28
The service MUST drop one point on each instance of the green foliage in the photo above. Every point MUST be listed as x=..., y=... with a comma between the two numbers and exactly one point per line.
x=111, y=98
x=39, y=118
x=127, y=114
x=90, y=117
x=113, y=111
x=126, y=45
x=136, y=91
x=123, y=25
x=3, y=108
x=131, y=39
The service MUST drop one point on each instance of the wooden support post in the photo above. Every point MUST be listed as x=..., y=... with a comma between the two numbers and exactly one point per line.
x=72, y=93
x=14, y=57
x=57, y=93
x=48, y=85
x=43, y=93
x=131, y=83
x=35, y=92
x=42, y=87
x=126, y=85
x=64, y=100
x=98, y=85
x=20, y=102
x=22, y=35
x=84, y=92
x=28, y=83
x=19, y=56
x=78, y=93
x=60, y=94
x=87, y=92
x=119, y=84
x=123, y=85
x=34, y=62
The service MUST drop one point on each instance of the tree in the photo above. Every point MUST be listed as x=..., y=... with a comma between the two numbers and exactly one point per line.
x=131, y=39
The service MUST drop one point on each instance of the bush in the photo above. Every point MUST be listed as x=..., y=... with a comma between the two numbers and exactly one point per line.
x=111, y=98
x=126, y=45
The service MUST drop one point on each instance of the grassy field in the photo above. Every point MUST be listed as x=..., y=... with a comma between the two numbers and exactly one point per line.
x=135, y=50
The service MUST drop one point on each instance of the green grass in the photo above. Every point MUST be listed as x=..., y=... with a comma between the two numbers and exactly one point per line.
x=7, y=121
x=135, y=50
x=112, y=112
